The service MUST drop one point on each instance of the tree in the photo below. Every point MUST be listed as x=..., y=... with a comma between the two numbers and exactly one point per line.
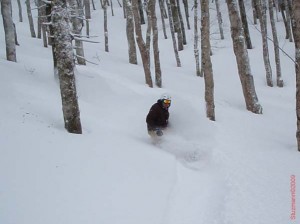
x=296, y=32
x=105, y=25
x=276, y=45
x=220, y=21
x=196, y=38
x=20, y=11
x=130, y=33
x=263, y=26
x=30, y=19
x=10, y=38
x=206, y=61
x=242, y=59
x=65, y=66
x=144, y=50
x=245, y=24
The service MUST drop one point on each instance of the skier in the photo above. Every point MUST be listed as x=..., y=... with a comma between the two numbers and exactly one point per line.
x=158, y=116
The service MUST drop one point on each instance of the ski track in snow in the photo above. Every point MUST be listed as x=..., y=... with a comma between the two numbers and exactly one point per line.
x=197, y=181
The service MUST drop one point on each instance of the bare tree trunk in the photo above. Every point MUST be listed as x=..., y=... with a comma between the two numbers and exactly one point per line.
x=141, y=11
x=30, y=18
x=105, y=25
x=93, y=3
x=196, y=38
x=161, y=7
x=130, y=33
x=65, y=65
x=124, y=8
x=77, y=25
x=151, y=7
x=181, y=23
x=176, y=24
x=264, y=35
x=145, y=54
x=220, y=21
x=20, y=11
x=288, y=18
x=40, y=19
x=51, y=39
x=207, y=66
x=296, y=32
x=173, y=34
x=254, y=10
x=276, y=45
x=245, y=24
x=112, y=8
x=87, y=7
x=8, y=30
x=186, y=10
x=242, y=59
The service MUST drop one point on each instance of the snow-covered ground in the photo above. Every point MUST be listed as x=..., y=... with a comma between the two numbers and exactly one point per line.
x=235, y=170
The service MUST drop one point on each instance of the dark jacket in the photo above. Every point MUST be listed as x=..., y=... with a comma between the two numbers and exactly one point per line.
x=158, y=116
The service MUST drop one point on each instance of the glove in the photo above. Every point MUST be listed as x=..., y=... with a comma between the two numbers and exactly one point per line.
x=159, y=132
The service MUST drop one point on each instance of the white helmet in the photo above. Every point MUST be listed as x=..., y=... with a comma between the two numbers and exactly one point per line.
x=165, y=96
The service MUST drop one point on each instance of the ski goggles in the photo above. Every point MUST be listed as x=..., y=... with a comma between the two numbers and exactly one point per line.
x=167, y=101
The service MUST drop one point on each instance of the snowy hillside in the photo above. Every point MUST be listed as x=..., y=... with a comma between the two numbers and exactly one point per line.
x=235, y=170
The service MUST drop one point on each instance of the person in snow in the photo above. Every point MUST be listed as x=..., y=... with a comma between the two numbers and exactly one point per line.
x=158, y=116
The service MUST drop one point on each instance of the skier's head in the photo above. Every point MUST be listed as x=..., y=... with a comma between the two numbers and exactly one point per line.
x=165, y=100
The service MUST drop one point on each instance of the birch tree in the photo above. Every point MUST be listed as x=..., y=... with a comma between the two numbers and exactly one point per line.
x=245, y=24
x=279, y=80
x=30, y=19
x=144, y=51
x=206, y=61
x=130, y=33
x=264, y=36
x=161, y=7
x=196, y=38
x=87, y=10
x=65, y=66
x=77, y=25
x=220, y=21
x=296, y=32
x=8, y=30
x=242, y=59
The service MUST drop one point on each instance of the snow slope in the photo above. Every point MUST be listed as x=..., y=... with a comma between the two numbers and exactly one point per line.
x=234, y=170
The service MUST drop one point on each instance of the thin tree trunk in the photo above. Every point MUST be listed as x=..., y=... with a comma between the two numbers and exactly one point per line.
x=186, y=11
x=245, y=24
x=207, y=66
x=296, y=32
x=181, y=23
x=288, y=18
x=145, y=54
x=176, y=24
x=141, y=11
x=196, y=38
x=87, y=9
x=130, y=33
x=8, y=30
x=173, y=34
x=220, y=21
x=20, y=11
x=40, y=19
x=65, y=65
x=30, y=18
x=151, y=7
x=264, y=35
x=77, y=25
x=105, y=26
x=276, y=46
x=242, y=59
x=254, y=10
x=112, y=8
x=161, y=7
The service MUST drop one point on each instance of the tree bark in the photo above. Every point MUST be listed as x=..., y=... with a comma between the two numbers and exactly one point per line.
x=245, y=24
x=20, y=11
x=30, y=20
x=144, y=51
x=220, y=21
x=242, y=59
x=105, y=25
x=130, y=33
x=161, y=7
x=196, y=38
x=8, y=30
x=207, y=66
x=296, y=32
x=276, y=45
x=264, y=35
x=65, y=66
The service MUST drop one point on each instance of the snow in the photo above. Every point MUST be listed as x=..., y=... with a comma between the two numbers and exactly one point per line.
x=235, y=170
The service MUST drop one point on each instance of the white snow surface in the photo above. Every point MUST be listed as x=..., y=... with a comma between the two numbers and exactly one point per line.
x=231, y=171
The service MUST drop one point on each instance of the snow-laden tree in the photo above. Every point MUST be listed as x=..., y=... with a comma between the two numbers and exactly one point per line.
x=242, y=59
x=296, y=32
x=63, y=48
x=206, y=61
x=10, y=37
